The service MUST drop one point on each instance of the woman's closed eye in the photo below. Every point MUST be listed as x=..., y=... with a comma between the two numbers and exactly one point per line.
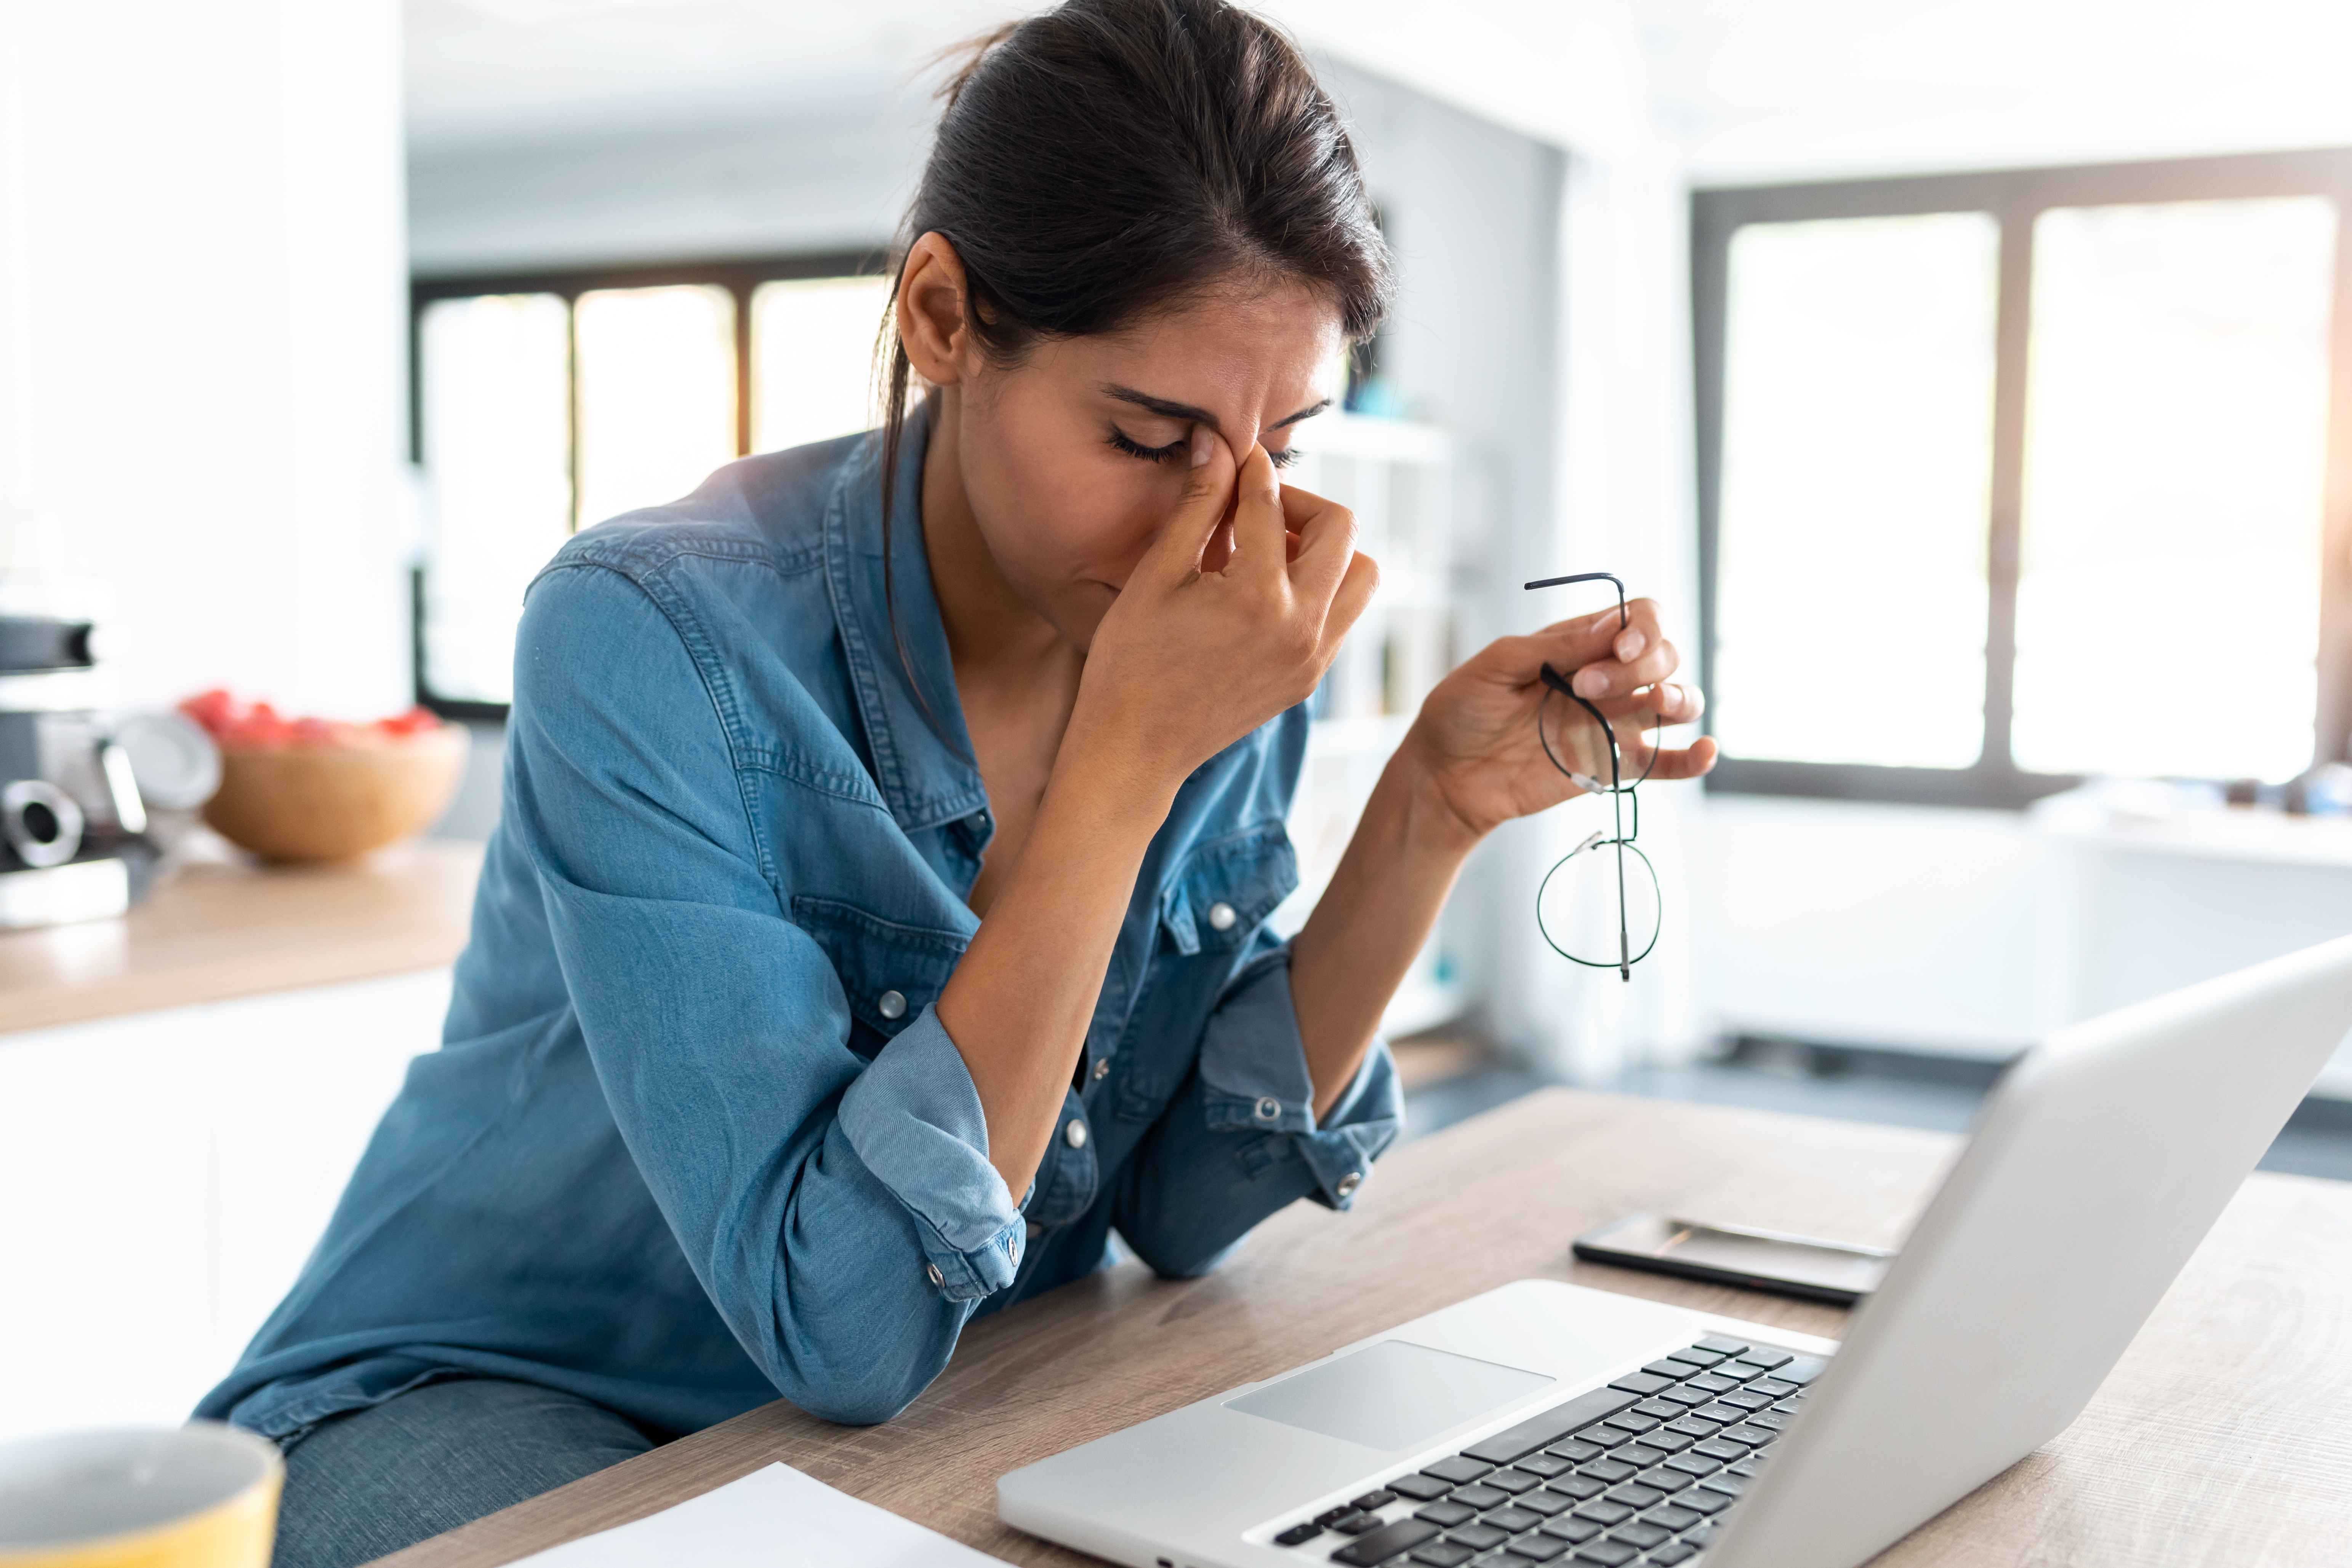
x=1182, y=447
x=1179, y=447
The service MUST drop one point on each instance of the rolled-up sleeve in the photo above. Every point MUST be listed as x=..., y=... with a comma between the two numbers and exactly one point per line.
x=841, y=1214
x=915, y=1119
x=1241, y=1139
x=1253, y=1078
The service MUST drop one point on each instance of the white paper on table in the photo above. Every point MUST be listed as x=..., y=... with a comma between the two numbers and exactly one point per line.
x=775, y=1518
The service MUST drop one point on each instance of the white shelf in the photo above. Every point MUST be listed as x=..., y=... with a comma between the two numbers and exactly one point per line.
x=2221, y=832
x=1396, y=477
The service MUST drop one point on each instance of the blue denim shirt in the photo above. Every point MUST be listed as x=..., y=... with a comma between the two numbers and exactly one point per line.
x=695, y=1136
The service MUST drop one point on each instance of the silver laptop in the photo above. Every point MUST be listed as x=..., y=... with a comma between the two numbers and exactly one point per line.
x=1543, y=1424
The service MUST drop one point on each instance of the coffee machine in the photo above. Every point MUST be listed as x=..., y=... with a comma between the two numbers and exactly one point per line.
x=73, y=828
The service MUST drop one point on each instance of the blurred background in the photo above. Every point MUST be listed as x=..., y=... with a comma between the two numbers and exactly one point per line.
x=1968, y=381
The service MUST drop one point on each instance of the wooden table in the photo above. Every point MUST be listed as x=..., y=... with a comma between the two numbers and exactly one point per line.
x=2225, y=1435
x=236, y=929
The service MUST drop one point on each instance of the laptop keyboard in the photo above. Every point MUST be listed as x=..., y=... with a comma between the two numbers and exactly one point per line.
x=1635, y=1473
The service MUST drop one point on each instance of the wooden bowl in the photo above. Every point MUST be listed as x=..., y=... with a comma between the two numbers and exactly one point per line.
x=333, y=803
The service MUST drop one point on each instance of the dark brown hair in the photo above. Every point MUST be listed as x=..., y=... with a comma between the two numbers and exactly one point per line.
x=1111, y=159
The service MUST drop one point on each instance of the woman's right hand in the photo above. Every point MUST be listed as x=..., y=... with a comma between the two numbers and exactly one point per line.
x=1212, y=636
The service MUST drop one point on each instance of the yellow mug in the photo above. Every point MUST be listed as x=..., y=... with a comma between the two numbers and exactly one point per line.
x=203, y=1497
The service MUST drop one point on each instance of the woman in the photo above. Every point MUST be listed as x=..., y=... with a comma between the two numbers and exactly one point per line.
x=876, y=920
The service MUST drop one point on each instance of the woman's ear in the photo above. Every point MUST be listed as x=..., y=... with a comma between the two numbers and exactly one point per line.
x=932, y=305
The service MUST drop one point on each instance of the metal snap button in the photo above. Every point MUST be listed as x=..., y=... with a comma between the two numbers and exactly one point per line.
x=891, y=1003
x=1349, y=1183
x=932, y=1269
x=1102, y=1069
x=1075, y=1134
x=1269, y=1109
x=1222, y=917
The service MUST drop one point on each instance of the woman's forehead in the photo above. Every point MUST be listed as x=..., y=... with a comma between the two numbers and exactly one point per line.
x=1266, y=354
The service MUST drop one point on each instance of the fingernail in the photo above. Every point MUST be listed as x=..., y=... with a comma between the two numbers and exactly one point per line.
x=1200, y=439
x=1591, y=683
x=1630, y=645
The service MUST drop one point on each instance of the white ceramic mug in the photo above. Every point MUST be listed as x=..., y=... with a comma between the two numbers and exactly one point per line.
x=204, y=1496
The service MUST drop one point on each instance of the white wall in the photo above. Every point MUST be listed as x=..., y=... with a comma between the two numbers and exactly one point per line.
x=1626, y=504
x=202, y=334
x=1835, y=88
x=1473, y=216
x=1566, y=355
x=759, y=186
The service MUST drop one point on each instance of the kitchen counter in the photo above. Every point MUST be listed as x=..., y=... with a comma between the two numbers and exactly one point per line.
x=219, y=931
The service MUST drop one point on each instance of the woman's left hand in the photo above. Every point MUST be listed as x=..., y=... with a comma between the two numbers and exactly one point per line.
x=1476, y=737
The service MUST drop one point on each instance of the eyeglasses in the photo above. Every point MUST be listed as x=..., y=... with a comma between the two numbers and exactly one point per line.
x=1578, y=886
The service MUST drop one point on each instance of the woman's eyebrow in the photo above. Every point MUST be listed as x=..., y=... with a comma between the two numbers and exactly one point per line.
x=1168, y=409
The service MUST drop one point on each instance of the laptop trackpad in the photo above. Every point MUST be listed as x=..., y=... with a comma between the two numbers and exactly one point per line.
x=1393, y=1395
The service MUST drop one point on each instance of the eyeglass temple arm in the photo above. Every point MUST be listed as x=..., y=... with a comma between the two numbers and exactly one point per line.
x=1625, y=618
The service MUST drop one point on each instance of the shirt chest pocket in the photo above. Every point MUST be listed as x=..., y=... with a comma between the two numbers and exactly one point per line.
x=889, y=971
x=1210, y=907
x=1222, y=891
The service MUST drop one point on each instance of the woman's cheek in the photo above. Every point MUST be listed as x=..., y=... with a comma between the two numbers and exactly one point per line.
x=1106, y=532
x=1125, y=540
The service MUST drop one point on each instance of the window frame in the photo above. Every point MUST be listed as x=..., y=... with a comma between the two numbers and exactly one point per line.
x=2014, y=199
x=739, y=275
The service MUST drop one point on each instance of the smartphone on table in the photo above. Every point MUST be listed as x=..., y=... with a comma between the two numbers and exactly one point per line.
x=1835, y=1271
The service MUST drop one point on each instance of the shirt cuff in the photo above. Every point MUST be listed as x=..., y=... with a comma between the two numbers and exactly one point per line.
x=914, y=1118
x=1364, y=1122
x=1253, y=1078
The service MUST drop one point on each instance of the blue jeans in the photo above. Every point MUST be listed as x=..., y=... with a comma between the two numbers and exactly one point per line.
x=362, y=1486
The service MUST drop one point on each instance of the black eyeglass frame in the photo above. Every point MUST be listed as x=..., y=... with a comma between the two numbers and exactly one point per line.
x=1618, y=792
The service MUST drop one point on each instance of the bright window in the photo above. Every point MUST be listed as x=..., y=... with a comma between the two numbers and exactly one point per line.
x=1857, y=451
x=655, y=386
x=2176, y=467
x=811, y=357
x=495, y=395
x=2007, y=480
x=548, y=404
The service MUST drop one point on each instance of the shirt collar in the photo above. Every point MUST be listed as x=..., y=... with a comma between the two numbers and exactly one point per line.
x=922, y=754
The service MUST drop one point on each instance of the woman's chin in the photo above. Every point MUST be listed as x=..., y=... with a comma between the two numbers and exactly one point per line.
x=1080, y=613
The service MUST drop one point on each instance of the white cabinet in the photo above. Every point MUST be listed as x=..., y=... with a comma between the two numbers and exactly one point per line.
x=164, y=1175
x=2132, y=907
x=1975, y=932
